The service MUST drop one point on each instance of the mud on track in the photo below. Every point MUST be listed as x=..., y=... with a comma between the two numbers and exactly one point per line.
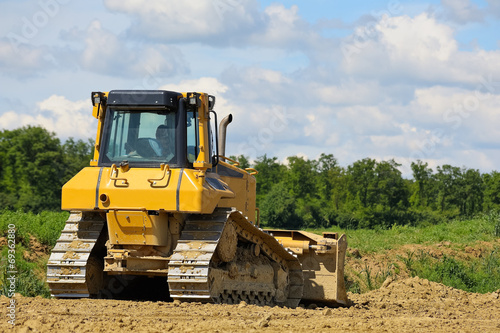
x=411, y=305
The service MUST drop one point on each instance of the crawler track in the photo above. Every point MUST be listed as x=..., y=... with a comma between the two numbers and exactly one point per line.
x=71, y=271
x=262, y=271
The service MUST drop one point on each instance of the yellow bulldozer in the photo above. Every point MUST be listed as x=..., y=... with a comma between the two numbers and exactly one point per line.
x=160, y=199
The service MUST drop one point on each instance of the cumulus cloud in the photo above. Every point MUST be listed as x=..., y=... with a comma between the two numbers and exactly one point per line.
x=462, y=11
x=209, y=85
x=219, y=23
x=418, y=49
x=201, y=21
x=57, y=114
x=493, y=7
x=349, y=92
x=23, y=60
x=257, y=85
x=108, y=53
x=456, y=108
x=285, y=28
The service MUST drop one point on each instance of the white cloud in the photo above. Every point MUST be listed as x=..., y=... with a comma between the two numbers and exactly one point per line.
x=420, y=39
x=322, y=126
x=218, y=23
x=455, y=108
x=419, y=50
x=223, y=105
x=462, y=11
x=349, y=92
x=202, y=21
x=285, y=28
x=261, y=124
x=22, y=60
x=208, y=85
x=493, y=7
x=108, y=53
x=57, y=114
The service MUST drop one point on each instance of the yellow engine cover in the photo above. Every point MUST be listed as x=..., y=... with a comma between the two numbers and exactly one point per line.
x=141, y=189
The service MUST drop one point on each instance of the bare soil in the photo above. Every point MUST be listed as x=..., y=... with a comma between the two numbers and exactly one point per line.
x=409, y=305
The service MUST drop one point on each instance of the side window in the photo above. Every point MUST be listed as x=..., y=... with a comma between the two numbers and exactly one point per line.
x=211, y=141
x=192, y=136
x=119, y=132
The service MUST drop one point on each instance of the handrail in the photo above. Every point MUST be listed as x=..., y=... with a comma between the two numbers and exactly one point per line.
x=114, y=171
x=236, y=163
x=251, y=171
x=165, y=168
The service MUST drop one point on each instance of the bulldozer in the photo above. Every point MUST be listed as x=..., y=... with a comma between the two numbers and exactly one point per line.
x=161, y=200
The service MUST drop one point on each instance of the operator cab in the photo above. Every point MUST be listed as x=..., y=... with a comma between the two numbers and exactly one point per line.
x=150, y=128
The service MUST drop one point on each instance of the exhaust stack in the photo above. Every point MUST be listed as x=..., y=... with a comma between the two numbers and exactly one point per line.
x=222, y=132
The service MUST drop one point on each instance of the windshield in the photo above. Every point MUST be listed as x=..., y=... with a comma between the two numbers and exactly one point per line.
x=139, y=136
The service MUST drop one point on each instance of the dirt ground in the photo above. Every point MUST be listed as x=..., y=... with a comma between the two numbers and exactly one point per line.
x=410, y=305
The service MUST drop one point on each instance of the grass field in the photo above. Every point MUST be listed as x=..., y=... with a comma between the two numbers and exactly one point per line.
x=485, y=227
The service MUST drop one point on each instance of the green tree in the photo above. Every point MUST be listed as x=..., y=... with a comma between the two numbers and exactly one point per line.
x=422, y=176
x=31, y=169
x=332, y=187
x=391, y=189
x=302, y=182
x=447, y=180
x=34, y=166
x=327, y=167
x=471, y=192
x=491, y=191
x=362, y=182
x=278, y=209
x=301, y=177
x=461, y=191
x=270, y=173
x=77, y=155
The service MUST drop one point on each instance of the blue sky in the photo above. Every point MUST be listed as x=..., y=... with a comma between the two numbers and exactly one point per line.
x=382, y=79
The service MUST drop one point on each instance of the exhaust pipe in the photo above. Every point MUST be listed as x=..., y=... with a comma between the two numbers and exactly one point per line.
x=222, y=133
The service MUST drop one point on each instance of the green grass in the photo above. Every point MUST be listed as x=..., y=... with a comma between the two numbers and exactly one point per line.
x=460, y=231
x=30, y=276
x=479, y=275
x=46, y=227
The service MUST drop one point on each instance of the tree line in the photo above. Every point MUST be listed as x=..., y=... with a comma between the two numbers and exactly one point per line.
x=301, y=193
x=367, y=194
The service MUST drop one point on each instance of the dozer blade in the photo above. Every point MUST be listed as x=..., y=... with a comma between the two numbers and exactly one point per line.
x=322, y=260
